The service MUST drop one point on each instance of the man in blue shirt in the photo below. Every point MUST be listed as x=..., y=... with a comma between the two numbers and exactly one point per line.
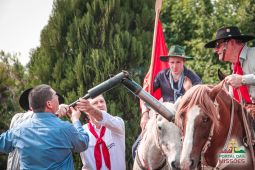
x=44, y=141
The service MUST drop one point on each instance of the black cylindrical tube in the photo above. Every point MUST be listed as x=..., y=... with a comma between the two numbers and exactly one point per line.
x=104, y=86
x=84, y=97
x=107, y=85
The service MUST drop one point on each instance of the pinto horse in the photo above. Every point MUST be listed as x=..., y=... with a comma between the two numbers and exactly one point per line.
x=160, y=147
x=204, y=116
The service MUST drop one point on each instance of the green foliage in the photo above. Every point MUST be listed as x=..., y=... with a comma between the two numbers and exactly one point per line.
x=85, y=42
x=192, y=23
x=11, y=83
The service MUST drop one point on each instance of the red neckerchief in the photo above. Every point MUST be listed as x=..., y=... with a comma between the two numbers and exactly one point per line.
x=243, y=89
x=97, y=152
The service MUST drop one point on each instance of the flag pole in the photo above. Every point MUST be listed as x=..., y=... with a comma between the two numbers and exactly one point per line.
x=158, y=5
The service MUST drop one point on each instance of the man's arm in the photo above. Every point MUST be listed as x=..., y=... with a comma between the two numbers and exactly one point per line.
x=237, y=80
x=144, y=109
x=114, y=123
x=248, y=79
x=6, y=142
x=79, y=138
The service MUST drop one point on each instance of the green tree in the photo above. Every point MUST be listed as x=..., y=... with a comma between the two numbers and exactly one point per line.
x=11, y=83
x=86, y=41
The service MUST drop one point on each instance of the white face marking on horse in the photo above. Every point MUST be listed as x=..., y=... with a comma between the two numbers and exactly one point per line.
x=188, y=140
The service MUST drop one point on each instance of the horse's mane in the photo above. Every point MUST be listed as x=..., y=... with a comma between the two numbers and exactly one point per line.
x=197, y=95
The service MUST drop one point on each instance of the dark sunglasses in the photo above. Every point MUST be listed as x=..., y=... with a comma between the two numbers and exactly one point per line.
x=218, y=43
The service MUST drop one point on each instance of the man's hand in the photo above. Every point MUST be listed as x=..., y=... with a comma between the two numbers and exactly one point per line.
x=144, y=120
x=235, y=80
x=187, y=84
x=75, y=114
x=87, y=107
x=63, y=109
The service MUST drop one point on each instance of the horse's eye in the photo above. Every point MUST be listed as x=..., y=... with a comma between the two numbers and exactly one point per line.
x=205, y=119
x=159, y=127
x=182, y=115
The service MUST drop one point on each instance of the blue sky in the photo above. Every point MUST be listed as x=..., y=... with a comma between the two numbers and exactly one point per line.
x=21, y=22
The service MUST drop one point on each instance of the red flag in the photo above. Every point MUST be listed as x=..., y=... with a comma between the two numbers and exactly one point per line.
x=156, y=65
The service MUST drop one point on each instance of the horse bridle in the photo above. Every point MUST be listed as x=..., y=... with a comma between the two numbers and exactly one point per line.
x=247, y=131
x=144, y=168
x=208, y=142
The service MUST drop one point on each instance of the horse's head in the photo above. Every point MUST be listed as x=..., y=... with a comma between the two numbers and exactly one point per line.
x=169, y=138
x=195, y=116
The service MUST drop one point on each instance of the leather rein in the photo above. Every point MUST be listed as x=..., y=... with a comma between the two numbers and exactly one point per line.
x=144, y=165
x=219, y=165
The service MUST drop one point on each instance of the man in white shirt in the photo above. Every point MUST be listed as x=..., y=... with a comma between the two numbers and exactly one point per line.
x=106, y=148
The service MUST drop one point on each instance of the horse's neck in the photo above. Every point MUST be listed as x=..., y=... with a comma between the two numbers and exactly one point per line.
x=149, y=151
x=220, y=136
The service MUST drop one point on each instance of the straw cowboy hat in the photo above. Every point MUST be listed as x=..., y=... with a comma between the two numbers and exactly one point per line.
x=175, y=51
x=24, y=103
x=228, y=33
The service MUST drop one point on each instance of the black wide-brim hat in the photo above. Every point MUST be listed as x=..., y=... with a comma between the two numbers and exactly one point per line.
x=24, y=103
x=228, y=33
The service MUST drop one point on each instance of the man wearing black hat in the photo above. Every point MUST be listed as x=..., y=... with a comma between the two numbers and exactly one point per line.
x=13, y=157
x=230, y=45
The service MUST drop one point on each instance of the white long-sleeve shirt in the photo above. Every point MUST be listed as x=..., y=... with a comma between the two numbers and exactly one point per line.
x=114, y=138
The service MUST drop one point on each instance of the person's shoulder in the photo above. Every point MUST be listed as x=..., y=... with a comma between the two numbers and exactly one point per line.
x=64, y=123
x=20, y=117
x=251, y=52
x=188, y=72
x=163, y=72
x=192, y=75
x=251, y=48
x=108, y=117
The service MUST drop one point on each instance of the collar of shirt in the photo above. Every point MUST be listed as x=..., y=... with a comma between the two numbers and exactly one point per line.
x=95, y=128
x=243, y=54
x=43, y=115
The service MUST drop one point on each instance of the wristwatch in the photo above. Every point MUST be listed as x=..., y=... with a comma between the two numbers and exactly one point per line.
x=243, y=81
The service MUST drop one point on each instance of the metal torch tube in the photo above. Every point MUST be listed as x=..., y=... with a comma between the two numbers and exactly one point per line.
x=149, y=99
x=104, y=86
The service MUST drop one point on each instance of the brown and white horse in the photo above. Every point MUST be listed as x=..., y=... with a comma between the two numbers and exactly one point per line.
x=160, y=147
x=204, y=115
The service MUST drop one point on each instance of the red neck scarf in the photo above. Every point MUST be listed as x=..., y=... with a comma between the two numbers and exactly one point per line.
x=97, y=151
x=243, y=89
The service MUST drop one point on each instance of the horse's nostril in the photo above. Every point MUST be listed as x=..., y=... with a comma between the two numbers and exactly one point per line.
x=192, y=163
x=175, y=165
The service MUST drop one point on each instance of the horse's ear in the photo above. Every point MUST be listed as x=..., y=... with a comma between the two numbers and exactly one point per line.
x=221, y=75
x=213, y=92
